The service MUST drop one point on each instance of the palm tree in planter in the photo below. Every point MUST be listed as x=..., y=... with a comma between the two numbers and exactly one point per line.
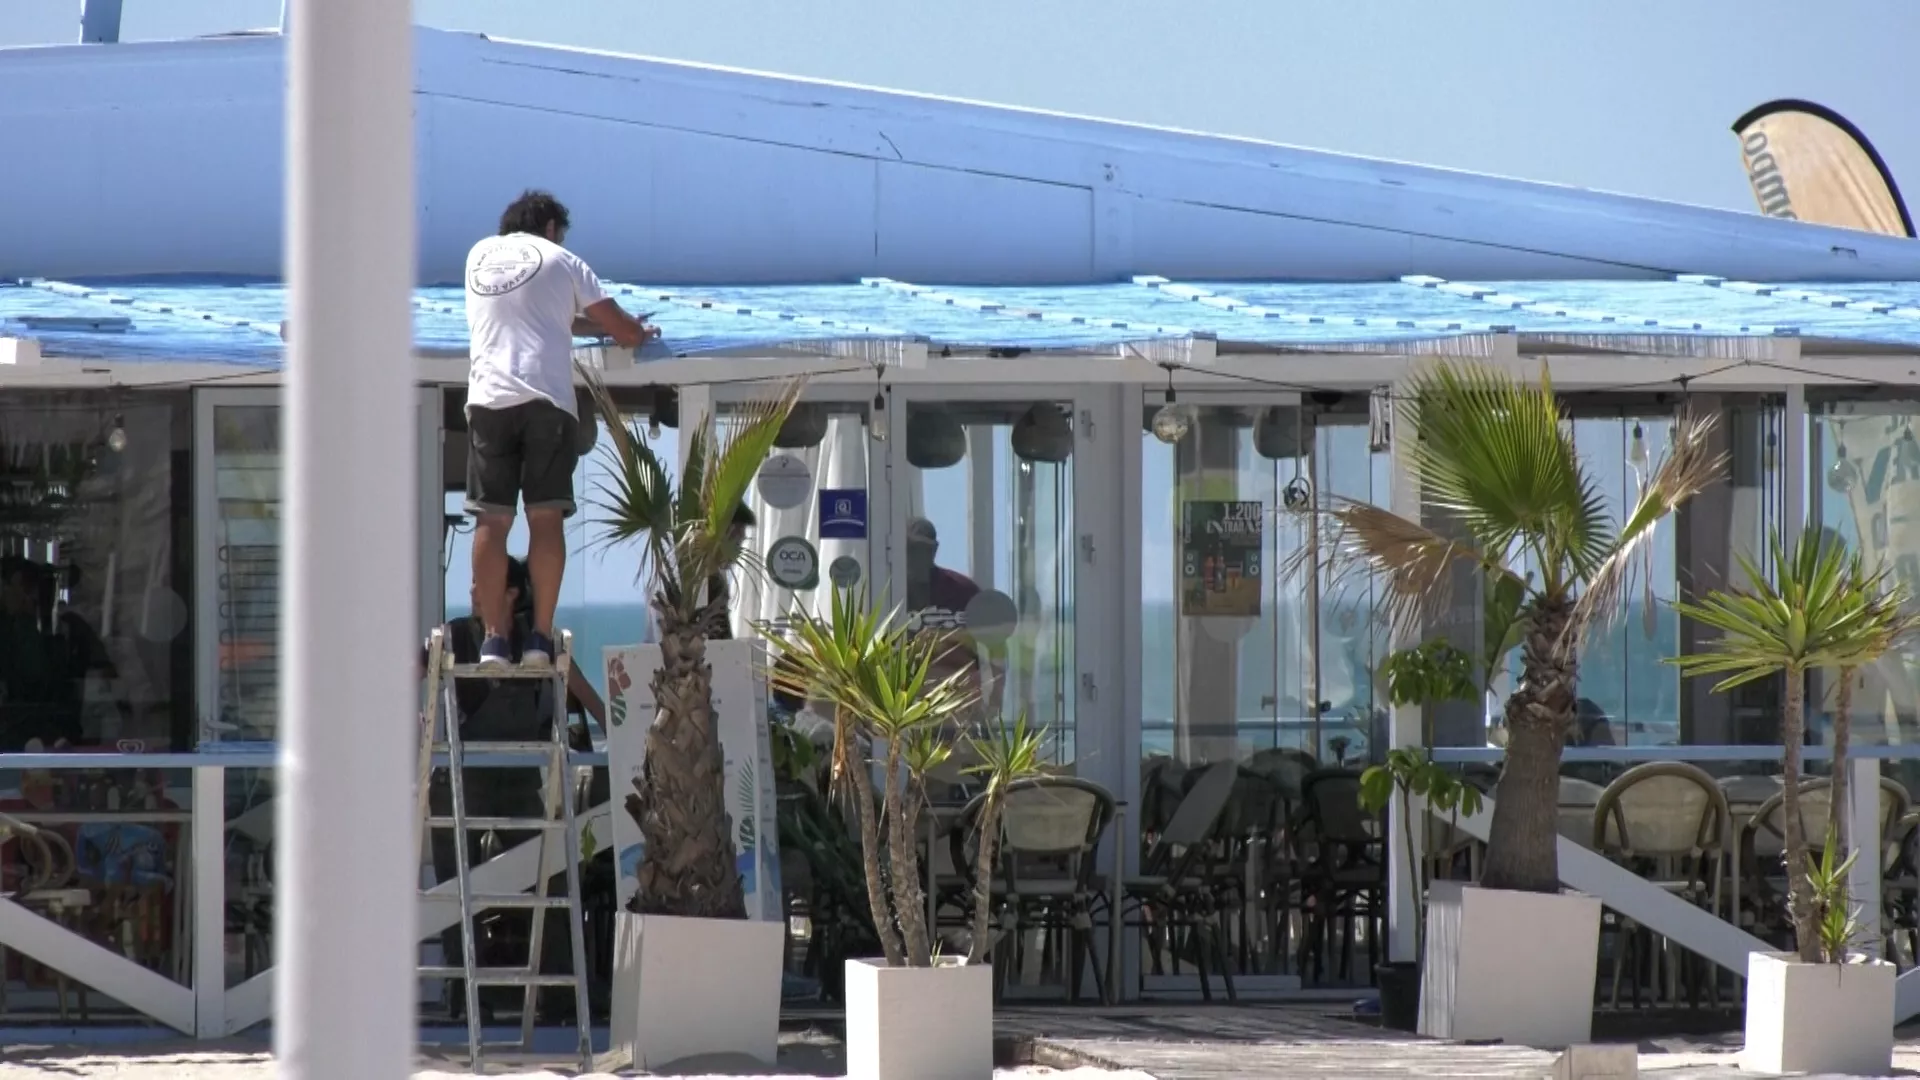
x=891, y=712
x=689, y=910
x=1493, y=456
x=1822, y=609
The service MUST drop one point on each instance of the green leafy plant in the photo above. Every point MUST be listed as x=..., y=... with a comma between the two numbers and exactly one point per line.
x=1004, y=753
x=1428, y=673
x=1820, y=609
x=1494, y=461
x=687, y=865
x=1836, y=923
x=1409, y=771
x=877, y=674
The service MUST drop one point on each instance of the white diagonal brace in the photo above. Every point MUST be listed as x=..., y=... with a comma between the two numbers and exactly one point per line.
x=146, y=991
x=511, y=871
x=1646, y=903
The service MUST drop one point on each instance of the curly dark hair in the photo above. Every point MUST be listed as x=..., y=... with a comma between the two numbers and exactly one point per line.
x=532, y=212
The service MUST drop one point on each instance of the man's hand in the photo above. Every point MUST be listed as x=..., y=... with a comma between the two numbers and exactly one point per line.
x=606, y=319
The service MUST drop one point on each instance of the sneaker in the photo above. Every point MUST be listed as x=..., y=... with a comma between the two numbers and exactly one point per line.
x=538, y=652
x=495, y=652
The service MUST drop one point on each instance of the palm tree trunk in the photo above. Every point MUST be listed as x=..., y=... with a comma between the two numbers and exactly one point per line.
x=1521, y=842
x=1842, y=810
x=687, y=864
x=983, y=879
x=851, y=763
x=1799, y=902
x=909, y=900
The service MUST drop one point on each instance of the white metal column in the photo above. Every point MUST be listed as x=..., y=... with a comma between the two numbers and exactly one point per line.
x=344, y=907
x=1404, y=729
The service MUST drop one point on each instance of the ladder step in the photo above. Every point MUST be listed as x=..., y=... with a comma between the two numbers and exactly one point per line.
x=490, y=746
x=503, y=824
x=497, y=976
x=523, y=901
x=480, y=671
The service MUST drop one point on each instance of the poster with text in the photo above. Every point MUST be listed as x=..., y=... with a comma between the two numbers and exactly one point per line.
x=1220, y=542
x=740, y=710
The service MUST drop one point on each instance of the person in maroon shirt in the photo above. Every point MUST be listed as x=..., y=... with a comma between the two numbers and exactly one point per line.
x=940, y=596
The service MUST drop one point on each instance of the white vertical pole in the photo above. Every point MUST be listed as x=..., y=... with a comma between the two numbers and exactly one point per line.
x=209, y=856
x=1404, y=729
x=345, y=906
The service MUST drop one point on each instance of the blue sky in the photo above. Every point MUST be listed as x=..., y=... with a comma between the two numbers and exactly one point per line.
x=1626, y=95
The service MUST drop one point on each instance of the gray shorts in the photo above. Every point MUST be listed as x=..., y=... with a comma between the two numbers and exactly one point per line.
x=523, y=452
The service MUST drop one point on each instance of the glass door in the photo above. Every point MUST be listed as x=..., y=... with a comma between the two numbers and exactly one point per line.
x=986, y=544
x=1257, y=662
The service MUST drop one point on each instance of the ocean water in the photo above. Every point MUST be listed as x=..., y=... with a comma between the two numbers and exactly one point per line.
x=1621, y=669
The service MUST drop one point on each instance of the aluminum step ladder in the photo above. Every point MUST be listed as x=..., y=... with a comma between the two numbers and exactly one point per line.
x=442, y=747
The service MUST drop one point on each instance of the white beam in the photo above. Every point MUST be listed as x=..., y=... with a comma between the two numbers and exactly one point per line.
x=509, y=872
x=208, y=890
x=344, y=941
x=1404, y=729
x=148, y=992
x=1691, y=927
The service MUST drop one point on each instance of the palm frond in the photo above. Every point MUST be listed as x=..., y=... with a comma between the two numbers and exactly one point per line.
x=1489, y=452
x=1822, y=609
x=1688, y=468
x=1415, y=563
x=686, y=527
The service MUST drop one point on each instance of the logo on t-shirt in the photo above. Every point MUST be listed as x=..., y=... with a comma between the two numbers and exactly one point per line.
x=506, y=265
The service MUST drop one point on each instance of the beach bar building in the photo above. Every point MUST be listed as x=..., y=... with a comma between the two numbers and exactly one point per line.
x=1058, y=347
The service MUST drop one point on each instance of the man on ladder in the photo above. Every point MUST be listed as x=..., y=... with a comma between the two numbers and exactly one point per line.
x=526, y=299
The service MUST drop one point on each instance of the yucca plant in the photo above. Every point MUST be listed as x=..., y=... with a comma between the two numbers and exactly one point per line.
x=1822, y=609
x=878, y=676
x=1004, y=753
x=688, y=865
x=1491, y=455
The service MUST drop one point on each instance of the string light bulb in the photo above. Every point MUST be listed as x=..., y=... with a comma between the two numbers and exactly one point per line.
x=1170, y=421
x=1637, y=449
x=653, y=426
x=877, y=426
x=117, y=438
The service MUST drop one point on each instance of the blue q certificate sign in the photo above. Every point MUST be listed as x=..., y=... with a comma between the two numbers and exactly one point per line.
x=1220, y=544
x=843, y=514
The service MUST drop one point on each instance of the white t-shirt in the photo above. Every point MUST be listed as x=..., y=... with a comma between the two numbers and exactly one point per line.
x=523, y=292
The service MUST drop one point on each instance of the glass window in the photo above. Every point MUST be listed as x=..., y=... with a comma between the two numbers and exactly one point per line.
x=246, y=586
x=94, y=570
x=990, y=551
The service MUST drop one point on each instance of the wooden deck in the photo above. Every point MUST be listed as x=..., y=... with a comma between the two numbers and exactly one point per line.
x=1192, y=1043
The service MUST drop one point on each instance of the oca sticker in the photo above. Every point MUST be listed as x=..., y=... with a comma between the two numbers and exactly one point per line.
x=793, y=564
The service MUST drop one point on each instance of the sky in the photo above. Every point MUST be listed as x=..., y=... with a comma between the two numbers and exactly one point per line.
x=1633, y=96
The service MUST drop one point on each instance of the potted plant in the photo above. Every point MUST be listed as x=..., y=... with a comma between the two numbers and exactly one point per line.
x=1426, y=674
x=1821, y=609
x=913, y=1011
x=1514, y=504
x=689, y=911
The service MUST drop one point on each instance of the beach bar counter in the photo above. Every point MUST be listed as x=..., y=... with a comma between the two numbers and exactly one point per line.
x=1084, y=402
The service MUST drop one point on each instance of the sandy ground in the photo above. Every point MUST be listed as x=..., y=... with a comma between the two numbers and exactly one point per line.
x=184, y=1062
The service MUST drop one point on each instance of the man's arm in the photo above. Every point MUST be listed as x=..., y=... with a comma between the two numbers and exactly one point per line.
x=605, y=318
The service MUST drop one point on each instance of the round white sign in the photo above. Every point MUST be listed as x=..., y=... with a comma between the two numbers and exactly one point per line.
x=793, y=564
x=785, y=481
x=844, y=571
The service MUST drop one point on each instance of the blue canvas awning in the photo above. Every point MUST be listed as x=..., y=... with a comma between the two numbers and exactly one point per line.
x=240, y=322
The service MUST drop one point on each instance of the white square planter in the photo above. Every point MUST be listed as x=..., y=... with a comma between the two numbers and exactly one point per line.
x=1818, y=1018
x=1514, y=966
x=689, y=987
x=933, y=1023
